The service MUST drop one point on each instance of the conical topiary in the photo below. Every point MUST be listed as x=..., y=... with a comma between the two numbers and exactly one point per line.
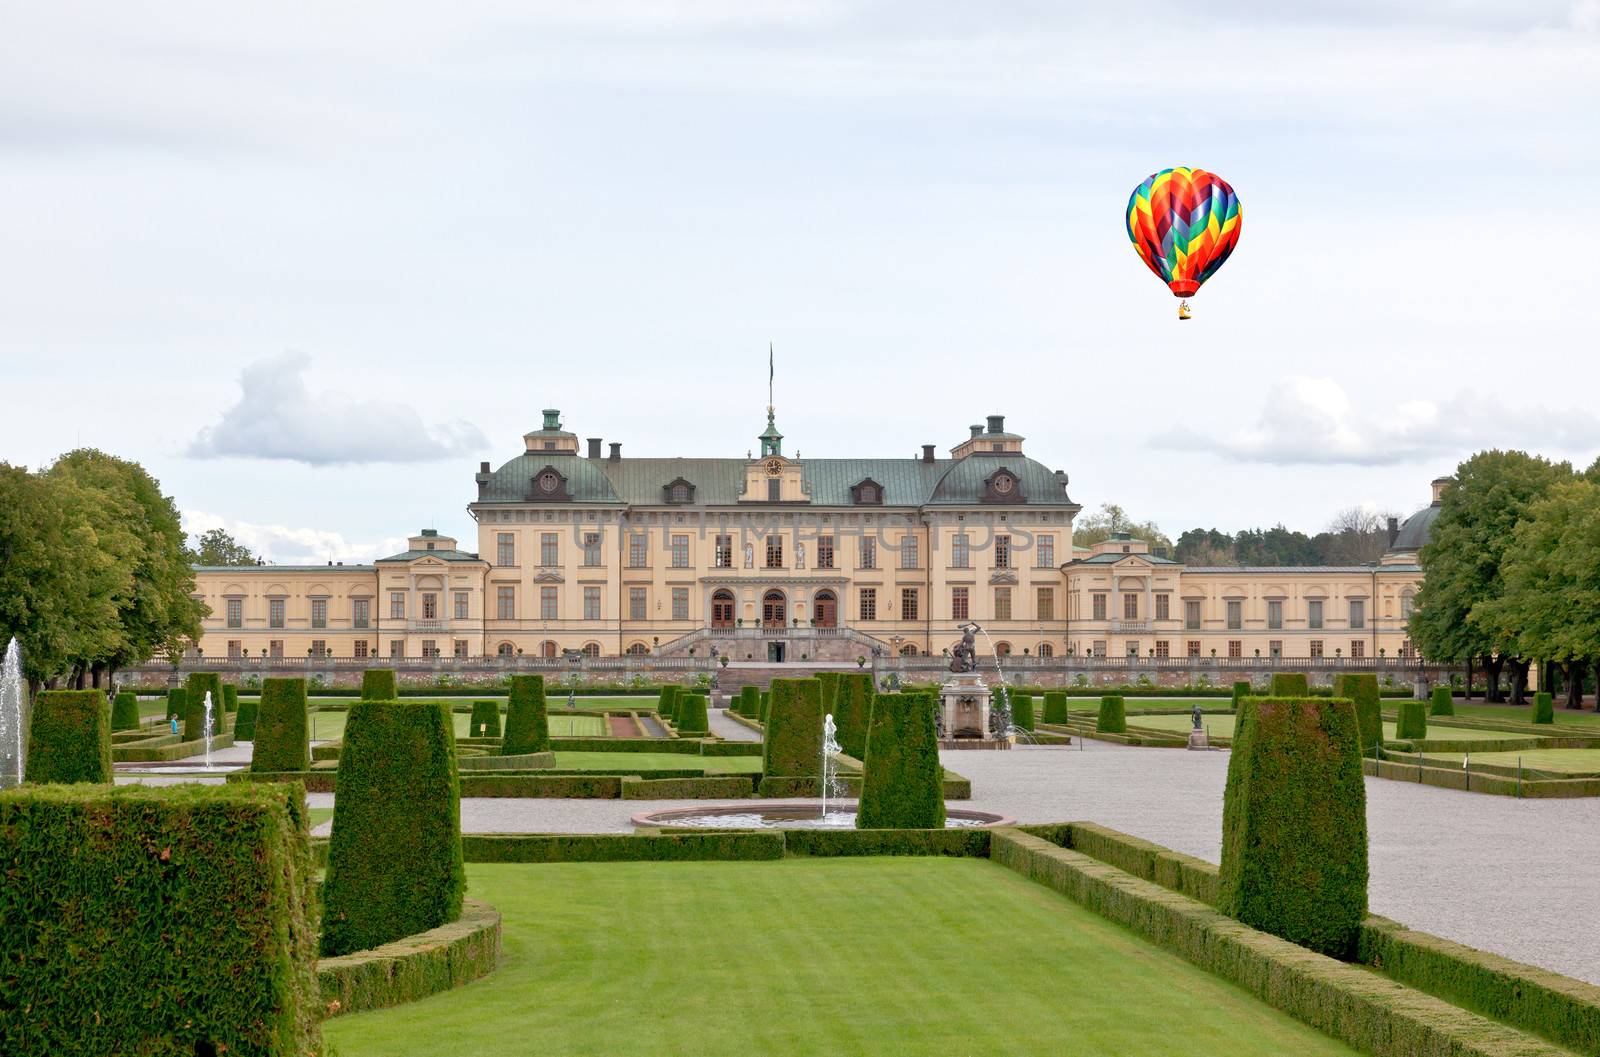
x=1022, y=711
x=1413, y=723
x=1055, y=706
x=125, y=711
x=1362, y=689
x=177, y=703
x=378, y=684
x=749, y=702
x=230, y=697
x=792, y=746
x=1442, y=704
x=692, y=714
x=1543, y=708
x=485, y=721
x=1113, y=720
x=903, y=787
x=766, y=705
x=667, y=700
x=830, y=691
x=1241, y=689
x=527, y=724
x=281, y=741
x=69, y=739
x=1289, y=684
x=196, y=687
x=852, y=711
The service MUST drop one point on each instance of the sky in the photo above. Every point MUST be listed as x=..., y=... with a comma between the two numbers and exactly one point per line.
x=310, y=263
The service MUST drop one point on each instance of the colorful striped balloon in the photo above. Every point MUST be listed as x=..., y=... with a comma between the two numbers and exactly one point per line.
x=1184, y=223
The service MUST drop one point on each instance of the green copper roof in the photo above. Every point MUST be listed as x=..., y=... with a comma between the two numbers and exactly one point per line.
x=442, y=555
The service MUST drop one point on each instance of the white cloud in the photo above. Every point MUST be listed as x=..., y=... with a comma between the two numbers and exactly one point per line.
x=277, y=417
x=286, y=545
x=1313, y=421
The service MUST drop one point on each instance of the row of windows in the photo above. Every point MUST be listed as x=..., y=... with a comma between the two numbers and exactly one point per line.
x=678, y=548
x=1163, y=648
x=1235, y=611
x=362, y=648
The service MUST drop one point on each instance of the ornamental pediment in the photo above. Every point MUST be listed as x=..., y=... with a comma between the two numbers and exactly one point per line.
x=548, y=576
x=1003, y=576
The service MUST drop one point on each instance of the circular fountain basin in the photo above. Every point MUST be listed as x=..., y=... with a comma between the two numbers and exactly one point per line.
x=791, y=816
x=178, y=768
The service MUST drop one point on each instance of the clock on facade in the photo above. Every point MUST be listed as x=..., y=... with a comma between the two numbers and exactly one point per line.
x=774, y=467
x=1003, y=484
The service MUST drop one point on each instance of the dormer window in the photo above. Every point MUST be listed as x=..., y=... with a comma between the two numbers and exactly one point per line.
x=678, y=491
x=548, y=485
x=1002, y=486
x=867, y=493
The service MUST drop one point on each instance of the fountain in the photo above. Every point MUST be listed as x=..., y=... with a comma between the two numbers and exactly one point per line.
x=969, y=716
x=208, y=729
x=831, y=785
x=13, y=718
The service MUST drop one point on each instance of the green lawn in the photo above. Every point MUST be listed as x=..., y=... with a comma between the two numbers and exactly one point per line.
x=1588, y=720
x=1566, y=761
x=319, y=815
x=673, y=761
x=329, y=726
x=944, y=957
x=1222, y=726
x=1137, y=704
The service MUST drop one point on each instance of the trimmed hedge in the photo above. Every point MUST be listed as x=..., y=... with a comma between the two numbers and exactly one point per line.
x=1362, y=690
x=414, y=967
x=1113, y=719
x=394, y=860
x=904, y=785
x=830, y=692
x=244, y=721
x=177, y=704
x=485, y=722
x=69, y=739
x=766, y=705
x=163, y=921
x=1022, y=711
x=744, y=846
x=230, y=697
x=852, y=712
x=793, y=742
x=1290, y=684
x=527, y=724
x=196, y=687
x=749, y=702
x=730, y=748
x=1413, y=721
x=1441, y=704
x=125, y=711
x=1543, y=708
x=966, y=842
x=1294, y=823
x=522, y=761
x=543, y=786
x=1055, y=706
x=281, y=741
x=688, y=788
x=1241, y=689
x=692, y=721
x=667, y=703
x=378, y=684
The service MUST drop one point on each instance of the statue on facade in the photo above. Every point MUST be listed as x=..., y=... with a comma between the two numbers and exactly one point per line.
x=964, y=658
x=799, y=555
x=749, y=555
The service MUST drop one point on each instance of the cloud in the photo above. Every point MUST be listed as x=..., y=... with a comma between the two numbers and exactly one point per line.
x=277, y=417
x=1313, y=421
x=285, y=545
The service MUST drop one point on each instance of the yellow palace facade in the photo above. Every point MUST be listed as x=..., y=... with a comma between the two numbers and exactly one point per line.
x=776, y=558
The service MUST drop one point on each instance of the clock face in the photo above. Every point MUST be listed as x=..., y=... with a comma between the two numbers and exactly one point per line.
x=774, y=467
x=549, y=482
x=1004, y=484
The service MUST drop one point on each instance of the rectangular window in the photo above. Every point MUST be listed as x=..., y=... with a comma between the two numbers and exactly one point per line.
x=235, y=612
x=1099, y=648
x=275, y=613
x=1002, y=552
x=235, y=648
x=1163, y=648
x=636, y=610
x=1274, y=615
x=549, y=604
x=549, y=549
x=1047, y=551
x=1098, y=605
x=591, y=548
x=1130, y=606
x=1191, y=616
x=869, y=603
x=1002, y=603
x=1314, y=613
x=319, y=612
x=505, y=603
x=430, y=648
x=1316, y=647
x=397, y=605
x=505, y=551
x=1235, y=648
x=461, y=605
x=869, y=552
x=591, y=603
x=1358, y=613
x=1358, y=648
x=1275, y=648
x=680, y=552
x=1131, y=647
x=680, y=603
x=637, y=555
x=908, y=603
x=460, y=648
x=774, y=489
x=961, y=552
x=1235, y=616
x=908, y=552
x=824, y=552
x=724, y=552
x=361, y=648
x=397, y=648
x=319, y=648
x=430, y=606
x=1045, y=602
x=361, y=612
x=275, y=649
x=774, y=552
x=1163, y=607
x=958, y=603
x=1193, y=647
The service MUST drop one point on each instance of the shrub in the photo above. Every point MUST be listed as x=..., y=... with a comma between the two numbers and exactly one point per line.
x=1413, y=721
x=1543, y=708
x=69, y=739
x=766, y=705
x=1113, y=720
x=394, y=860
x=852, y=711
x=1362, y=689
x=749, y=702
x=378, y=684
x=749, y=846
x=125, y=712
x=1241, y=689
x=1055, y=706
x=230, y=697
x=443, y=958
x=178, y=923
x=485, y=722
x=904, y=785
x=1022, y=711
x=198, y=685
x=177, y=703
x=830, y=692
x=667, y=700
x=1294, y=824
x=793, y=741
x=692, y=714
x=527, y=725
x=244, y=721
x=1289, y=684
x=1442, y=704
x=281, y=742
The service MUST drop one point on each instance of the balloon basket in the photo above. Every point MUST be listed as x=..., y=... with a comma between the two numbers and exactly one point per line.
x=1183, y=310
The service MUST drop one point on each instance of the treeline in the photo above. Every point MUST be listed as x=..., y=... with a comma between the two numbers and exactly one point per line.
x=94, y=575
x=1511, y=576
x=1353, y=537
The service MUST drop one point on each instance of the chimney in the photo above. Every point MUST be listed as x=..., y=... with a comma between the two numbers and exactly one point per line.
x=1394, y=529
x=483, y=467
x=616, y=451
x=927, y=453
x=977, y=431
x=594, y=447
x=997, y=423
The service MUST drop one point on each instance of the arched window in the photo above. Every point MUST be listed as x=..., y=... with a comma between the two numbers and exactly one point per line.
x=591, y=649
x=505, y=649
x=547, y=648
x=774, y=609
x=1002, y=649
x=825, y=609
x=722, y=608
x=638, y=649
x=908, y=650
x=1046, y=650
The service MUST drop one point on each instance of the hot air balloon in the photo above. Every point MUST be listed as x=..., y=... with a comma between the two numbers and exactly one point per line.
x=1184, y=223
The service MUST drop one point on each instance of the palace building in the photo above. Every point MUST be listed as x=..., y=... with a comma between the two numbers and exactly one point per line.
x=774, y=557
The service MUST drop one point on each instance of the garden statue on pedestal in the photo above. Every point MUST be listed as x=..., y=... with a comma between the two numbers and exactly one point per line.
x=964, y=657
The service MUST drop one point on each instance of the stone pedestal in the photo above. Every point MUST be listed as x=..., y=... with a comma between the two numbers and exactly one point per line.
x=964, y=714
x=1198, y=740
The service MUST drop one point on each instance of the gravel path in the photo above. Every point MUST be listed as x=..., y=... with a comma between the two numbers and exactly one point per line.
x=730, y=730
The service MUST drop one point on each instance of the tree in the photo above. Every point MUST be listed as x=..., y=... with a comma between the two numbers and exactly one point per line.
x=1461, y=563
x=1354, y=537
x=1111, y=518
x=1205, y=547
x=217, y=547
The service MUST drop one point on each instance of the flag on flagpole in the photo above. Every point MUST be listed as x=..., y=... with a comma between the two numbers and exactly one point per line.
x=772, y=372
